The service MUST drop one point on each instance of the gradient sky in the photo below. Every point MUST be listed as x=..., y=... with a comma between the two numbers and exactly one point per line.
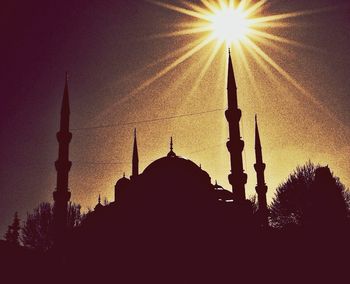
x=109, y=50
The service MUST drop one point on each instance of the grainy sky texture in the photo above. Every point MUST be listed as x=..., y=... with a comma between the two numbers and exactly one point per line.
x=110, y=50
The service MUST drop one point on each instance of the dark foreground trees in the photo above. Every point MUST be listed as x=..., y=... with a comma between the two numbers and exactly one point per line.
x=12, y=233
x=312, y=197
x=37, y=231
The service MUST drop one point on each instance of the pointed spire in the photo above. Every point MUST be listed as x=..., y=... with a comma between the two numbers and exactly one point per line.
x=99, y=199
x=123, y=174
x=257, y=135
x=65, y=102
x=261, y=187
x=258, y=151
x=135, y=157
x=65, y=109
x=171, y=152
x=231, y=80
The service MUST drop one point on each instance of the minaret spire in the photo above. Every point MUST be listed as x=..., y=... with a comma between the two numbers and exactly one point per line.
x=235, y=145
x=261, y=188
x=61, y=195
x=135, y=158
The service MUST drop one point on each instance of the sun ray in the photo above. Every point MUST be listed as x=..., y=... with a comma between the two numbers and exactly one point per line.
x=251, y=78
x=172, y=54
x=184, y=11
x=290, y=79
x=222, y=4
x=280, y=39
x=254, y=9
x=202, y=72
x=182, y=32
x=279, y=69
x=263, y=65
x=243, y=4
x=196, y=8
x=209, y=5
x=272, y=45
x=289, y=15
x=205, y=68
x=173, y=65
x=271, y=25
x=111, y=108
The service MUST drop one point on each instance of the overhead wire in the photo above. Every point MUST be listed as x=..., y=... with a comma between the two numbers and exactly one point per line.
x=146, y=120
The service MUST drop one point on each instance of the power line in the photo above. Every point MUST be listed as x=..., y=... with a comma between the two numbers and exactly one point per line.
x=147, y=161
x=99, y=162
x=147, y=120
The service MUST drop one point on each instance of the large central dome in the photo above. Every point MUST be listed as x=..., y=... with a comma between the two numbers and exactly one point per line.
x=175, y=165
x=175, y=178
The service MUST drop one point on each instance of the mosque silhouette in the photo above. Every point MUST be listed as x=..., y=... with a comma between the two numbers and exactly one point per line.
x=173, y=178
x=170, y=216
x=171, y=223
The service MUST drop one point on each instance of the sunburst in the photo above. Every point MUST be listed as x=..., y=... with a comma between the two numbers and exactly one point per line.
x=245, y=26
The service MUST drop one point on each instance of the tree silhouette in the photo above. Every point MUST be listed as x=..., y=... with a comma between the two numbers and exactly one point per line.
x=253, y=203
x=12, y=234
x=311, y=196
x=37, y=231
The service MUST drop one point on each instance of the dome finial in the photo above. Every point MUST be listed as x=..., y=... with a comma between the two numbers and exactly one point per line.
x=171, y=152
x=99, y=199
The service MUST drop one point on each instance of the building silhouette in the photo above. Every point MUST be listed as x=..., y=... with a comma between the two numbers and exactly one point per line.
x=172, y=177
x=171, y=211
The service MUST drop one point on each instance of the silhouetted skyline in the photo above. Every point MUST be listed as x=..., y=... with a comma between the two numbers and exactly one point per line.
x=101, y=44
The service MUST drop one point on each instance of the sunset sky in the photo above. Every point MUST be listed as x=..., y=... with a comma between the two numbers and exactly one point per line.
x=128, y=68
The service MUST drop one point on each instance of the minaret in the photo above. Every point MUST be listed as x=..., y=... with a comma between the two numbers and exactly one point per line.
x=61, y=195
x=261, y=188
x=235, y=145
x=135, y=158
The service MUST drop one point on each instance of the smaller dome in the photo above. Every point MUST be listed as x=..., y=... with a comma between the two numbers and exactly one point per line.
x=99, y=205
x=122, y=182
x=217, y=186
x=121, y=188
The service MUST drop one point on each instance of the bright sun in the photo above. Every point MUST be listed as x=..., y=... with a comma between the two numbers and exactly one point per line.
x=229, y=24
x=244, y=26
